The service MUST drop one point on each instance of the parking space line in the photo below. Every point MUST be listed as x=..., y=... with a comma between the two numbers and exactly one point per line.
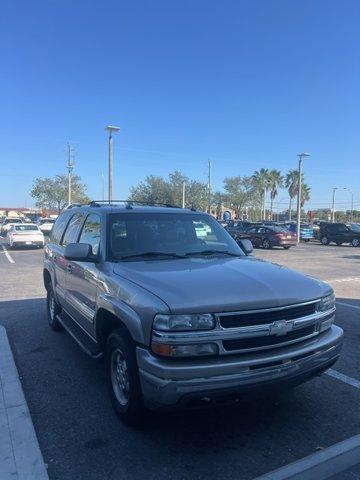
x=348, y=305
x=343, y=378
x=320, y=465
x=7, y=254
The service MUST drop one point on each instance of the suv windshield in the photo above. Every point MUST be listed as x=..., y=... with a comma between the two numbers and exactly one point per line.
x=22, y=228
x=150, y=235
x=355, y=227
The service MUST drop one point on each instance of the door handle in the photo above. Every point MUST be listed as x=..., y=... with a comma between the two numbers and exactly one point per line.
x=69, y=268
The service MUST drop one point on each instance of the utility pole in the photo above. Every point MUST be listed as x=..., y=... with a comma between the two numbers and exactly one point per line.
x=333, y=205
x=70, y=167
x=183, y=194
x=102, y=186
x=111, y=129
x=301, y=157
x=209, y=184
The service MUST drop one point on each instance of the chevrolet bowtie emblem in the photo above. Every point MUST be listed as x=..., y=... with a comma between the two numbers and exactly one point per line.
x=281, y=327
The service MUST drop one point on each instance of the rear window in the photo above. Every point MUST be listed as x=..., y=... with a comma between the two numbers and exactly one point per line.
x=278, y=229
x=14, y=220
x=26, y=228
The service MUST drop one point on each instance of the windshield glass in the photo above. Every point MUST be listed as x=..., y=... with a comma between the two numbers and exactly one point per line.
x=14, y=220
x=23, y=228
x=47, y=220
x=133, y=234
x=355, y=227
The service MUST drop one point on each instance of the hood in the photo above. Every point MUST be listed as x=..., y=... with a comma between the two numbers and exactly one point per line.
x=221, y=284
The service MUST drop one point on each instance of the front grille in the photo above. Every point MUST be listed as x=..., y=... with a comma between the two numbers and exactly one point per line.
x=235, y=320
x=267, y=341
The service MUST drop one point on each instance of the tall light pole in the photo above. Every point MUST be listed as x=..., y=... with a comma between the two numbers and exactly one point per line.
x=183, y=194
x=333, y=204
x=301, y=157
x=111, y=129
x=69, y=166
x=352, y=204
x=209, y=184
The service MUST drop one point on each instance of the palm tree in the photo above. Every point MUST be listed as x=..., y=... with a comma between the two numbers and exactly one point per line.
x=292, y=184
x=260, y=180
x=305, y=194
x=276, y=180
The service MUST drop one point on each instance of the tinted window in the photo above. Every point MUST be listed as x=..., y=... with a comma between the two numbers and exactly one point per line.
x=59, y=227
x=21, y=228
x=91, y=232
x=72, y=230
x=136, y=233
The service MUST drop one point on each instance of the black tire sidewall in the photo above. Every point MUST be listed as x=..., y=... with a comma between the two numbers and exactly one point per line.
x=53, y=322
x=353, y=241
x=266, y=244
x=133, y=412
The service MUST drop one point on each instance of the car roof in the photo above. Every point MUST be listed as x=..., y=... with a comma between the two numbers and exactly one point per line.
x=106, y=209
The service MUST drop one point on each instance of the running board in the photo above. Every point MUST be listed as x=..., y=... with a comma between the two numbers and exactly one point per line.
x=85, y=342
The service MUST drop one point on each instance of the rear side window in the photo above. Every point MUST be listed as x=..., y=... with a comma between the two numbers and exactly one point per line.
x=59, y=227
x=72, y=230
x=91, y=232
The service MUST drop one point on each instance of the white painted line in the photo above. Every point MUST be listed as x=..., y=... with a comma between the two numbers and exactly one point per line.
x=348, y=305
x=343, y=280
x=344, y=378
x=320, y=465
x=7, y=254
x=20, y=455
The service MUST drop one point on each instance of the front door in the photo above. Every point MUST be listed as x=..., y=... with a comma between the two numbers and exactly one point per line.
x=82, y=277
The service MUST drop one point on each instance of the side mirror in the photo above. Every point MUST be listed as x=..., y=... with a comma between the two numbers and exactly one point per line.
x=80, y=252
x=246, y=245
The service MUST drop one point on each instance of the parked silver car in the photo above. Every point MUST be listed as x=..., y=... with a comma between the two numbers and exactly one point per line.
x=182, y=318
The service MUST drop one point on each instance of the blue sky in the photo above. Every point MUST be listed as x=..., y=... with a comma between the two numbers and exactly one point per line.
x=247, y=84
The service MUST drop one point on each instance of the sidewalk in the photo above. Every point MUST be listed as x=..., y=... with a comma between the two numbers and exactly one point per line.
x=20, y=455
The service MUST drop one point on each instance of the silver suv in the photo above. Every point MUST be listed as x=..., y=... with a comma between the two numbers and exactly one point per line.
x=182, y=318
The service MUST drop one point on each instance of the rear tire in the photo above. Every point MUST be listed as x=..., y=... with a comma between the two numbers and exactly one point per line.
x=266, y=244
x=123, y=377
x=52, y=310
x=338, y=244
x=324, y=240
x=355, y=242
x=286, y=247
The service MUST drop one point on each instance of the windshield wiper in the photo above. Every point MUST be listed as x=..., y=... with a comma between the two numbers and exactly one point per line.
x=212, y=252
x=151, y=254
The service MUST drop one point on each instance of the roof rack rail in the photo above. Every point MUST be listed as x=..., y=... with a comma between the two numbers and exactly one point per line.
x=130, y=203
x=73, y=205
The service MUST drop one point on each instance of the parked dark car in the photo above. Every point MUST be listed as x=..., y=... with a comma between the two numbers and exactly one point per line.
x=271, y=236
x=339, y=233
x=237, y=229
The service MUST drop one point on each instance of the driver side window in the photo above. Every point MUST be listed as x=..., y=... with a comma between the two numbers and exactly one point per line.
x=91, y=232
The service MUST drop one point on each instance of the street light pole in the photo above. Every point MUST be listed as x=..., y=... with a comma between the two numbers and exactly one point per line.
x=111, y=129
x=333, y=205
x=183, y=194
x=70, y=166
x=301, y=157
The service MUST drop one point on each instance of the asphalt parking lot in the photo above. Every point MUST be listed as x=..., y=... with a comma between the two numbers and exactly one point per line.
x=81, y=437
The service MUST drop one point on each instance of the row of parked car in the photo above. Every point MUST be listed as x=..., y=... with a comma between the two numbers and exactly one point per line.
x=269, y=234
x=20, y=233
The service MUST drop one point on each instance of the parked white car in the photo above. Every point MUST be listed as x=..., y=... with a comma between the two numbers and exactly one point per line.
x=46, y=224
x=8, y=223
x=25, y=235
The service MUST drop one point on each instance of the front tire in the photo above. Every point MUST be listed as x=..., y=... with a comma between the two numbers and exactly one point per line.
x=286, y=247
x=355, y=242
x=324, y=240
x=266, y=244
x=123, y=377
x=52, y=309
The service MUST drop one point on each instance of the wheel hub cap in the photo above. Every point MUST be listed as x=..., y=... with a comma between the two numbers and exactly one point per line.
x=120, y=377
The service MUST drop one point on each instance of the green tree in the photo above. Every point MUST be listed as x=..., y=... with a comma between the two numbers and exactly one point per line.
x=305, y=194
x=155, y=189
x=292, y=185
x=52, y=193
x=276, y=181
x=261, y=182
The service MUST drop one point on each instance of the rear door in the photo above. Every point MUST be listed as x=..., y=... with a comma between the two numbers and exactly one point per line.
x=82, y=277
x=70, y=235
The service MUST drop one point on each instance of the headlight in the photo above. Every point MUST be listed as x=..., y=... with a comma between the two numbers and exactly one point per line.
x=176, y=323
x=327, y=303
x=191, y=350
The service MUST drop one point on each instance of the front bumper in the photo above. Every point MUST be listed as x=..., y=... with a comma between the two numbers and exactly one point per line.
x=174, y=383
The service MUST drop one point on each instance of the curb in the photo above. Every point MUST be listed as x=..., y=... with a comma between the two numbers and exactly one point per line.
x=320, y=465
x=20, y=455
